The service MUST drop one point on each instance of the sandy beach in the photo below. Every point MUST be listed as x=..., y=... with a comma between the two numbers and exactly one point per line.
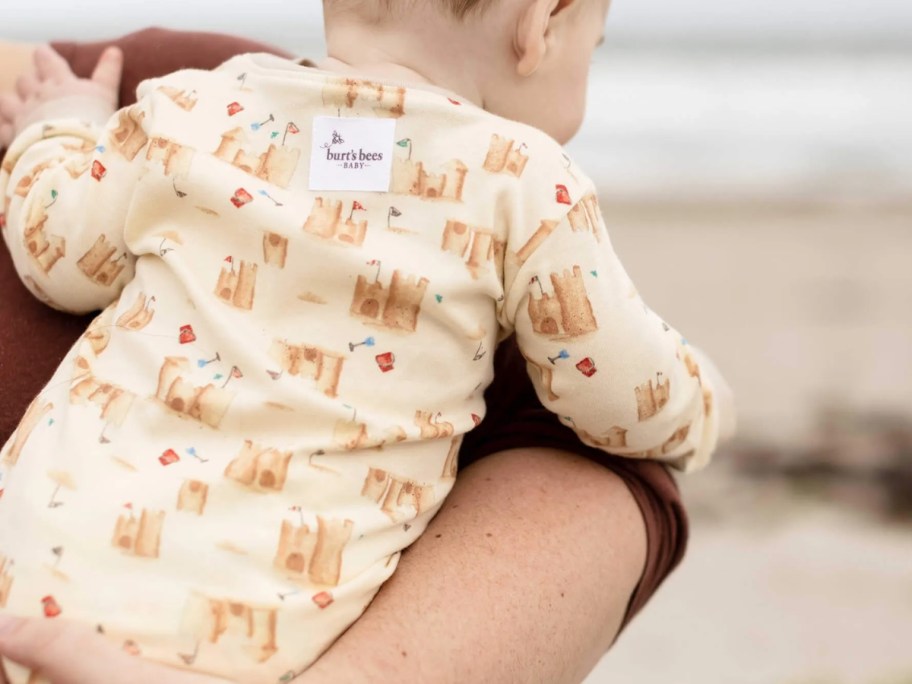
x=775, y=590
x=807, y=311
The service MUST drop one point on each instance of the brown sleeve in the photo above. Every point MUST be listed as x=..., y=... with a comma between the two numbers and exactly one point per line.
x=516, y=420
x=155, y=52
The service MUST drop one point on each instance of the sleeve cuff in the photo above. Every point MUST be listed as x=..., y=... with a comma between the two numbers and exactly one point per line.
x=93, y=110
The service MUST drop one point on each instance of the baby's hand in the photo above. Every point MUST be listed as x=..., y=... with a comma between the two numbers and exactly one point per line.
x=50, y=81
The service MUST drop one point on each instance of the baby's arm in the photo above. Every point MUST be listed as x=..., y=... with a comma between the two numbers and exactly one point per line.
x=614, y=371
x=64, y=185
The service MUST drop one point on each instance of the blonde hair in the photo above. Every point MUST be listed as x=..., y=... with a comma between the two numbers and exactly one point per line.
x=380, y=9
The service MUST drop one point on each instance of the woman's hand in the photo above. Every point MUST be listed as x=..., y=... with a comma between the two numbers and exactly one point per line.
x=67, y=653
x=50, y=81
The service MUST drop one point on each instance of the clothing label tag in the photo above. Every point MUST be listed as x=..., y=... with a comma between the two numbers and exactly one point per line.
x=352, y=154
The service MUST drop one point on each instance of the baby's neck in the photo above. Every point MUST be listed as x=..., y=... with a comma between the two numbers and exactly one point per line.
x=403, y=54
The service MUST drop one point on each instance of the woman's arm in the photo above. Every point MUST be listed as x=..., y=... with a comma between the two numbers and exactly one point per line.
x=524, y=576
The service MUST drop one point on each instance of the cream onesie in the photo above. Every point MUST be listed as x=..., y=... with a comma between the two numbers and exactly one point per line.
x=303, y=280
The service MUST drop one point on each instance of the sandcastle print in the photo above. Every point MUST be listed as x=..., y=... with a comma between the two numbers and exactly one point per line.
x=27, y=181
x=586, y=217
x=115, y=402
x=207, y=404
x=33, y=417
x=382, y=100
x=44, y=249
x=237, y=287
x=397, y=307
x=174, y=157
x=234, y=625
x=676, y=440
x=547, y=379
x=478, y=248
x=615, y=438
x=316, y=556
x=451, y=464
x=275, y=250
x=693, y=367
x=183, y=99
x=431, y=426
x=326, y=222
x=192, y=497
x=74, y=164
x=350, y=435
x=74, y=167
x=398, y=497
x=707, y=402
x=139, y=537
x=99, y=264
x=303, y=361
x=260, y=469
x=545, y=229
x=566, y=313
x=6, y=579
x=139, y=315
x=411, y=178
x=84, y=146
x=652, y=397
x=276, y=165
x=129, y=138
x=505, y=156
x=98, y=335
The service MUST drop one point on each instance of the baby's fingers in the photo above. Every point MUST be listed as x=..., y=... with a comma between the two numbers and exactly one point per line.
x=27, y=86
x=7, y=116
x=109, y=70
x=6, y=135
x=9, y=106
x=50, y=66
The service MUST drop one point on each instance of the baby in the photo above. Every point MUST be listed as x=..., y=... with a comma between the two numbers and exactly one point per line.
x=305, y=273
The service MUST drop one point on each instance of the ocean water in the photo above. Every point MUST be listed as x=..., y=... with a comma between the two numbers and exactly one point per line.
x=768, y=124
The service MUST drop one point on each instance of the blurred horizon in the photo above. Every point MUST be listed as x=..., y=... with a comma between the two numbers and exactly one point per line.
x=876, y=24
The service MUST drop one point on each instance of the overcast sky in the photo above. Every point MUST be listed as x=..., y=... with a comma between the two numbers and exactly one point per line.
x=291, y=22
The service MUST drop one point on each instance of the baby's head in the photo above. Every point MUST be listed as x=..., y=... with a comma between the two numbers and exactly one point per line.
x=526, y=60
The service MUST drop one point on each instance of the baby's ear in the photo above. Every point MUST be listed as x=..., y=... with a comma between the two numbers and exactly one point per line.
x=532, y=29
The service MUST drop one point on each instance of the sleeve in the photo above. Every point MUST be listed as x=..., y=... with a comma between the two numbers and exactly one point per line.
x=614, y=371
x=67, y=187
